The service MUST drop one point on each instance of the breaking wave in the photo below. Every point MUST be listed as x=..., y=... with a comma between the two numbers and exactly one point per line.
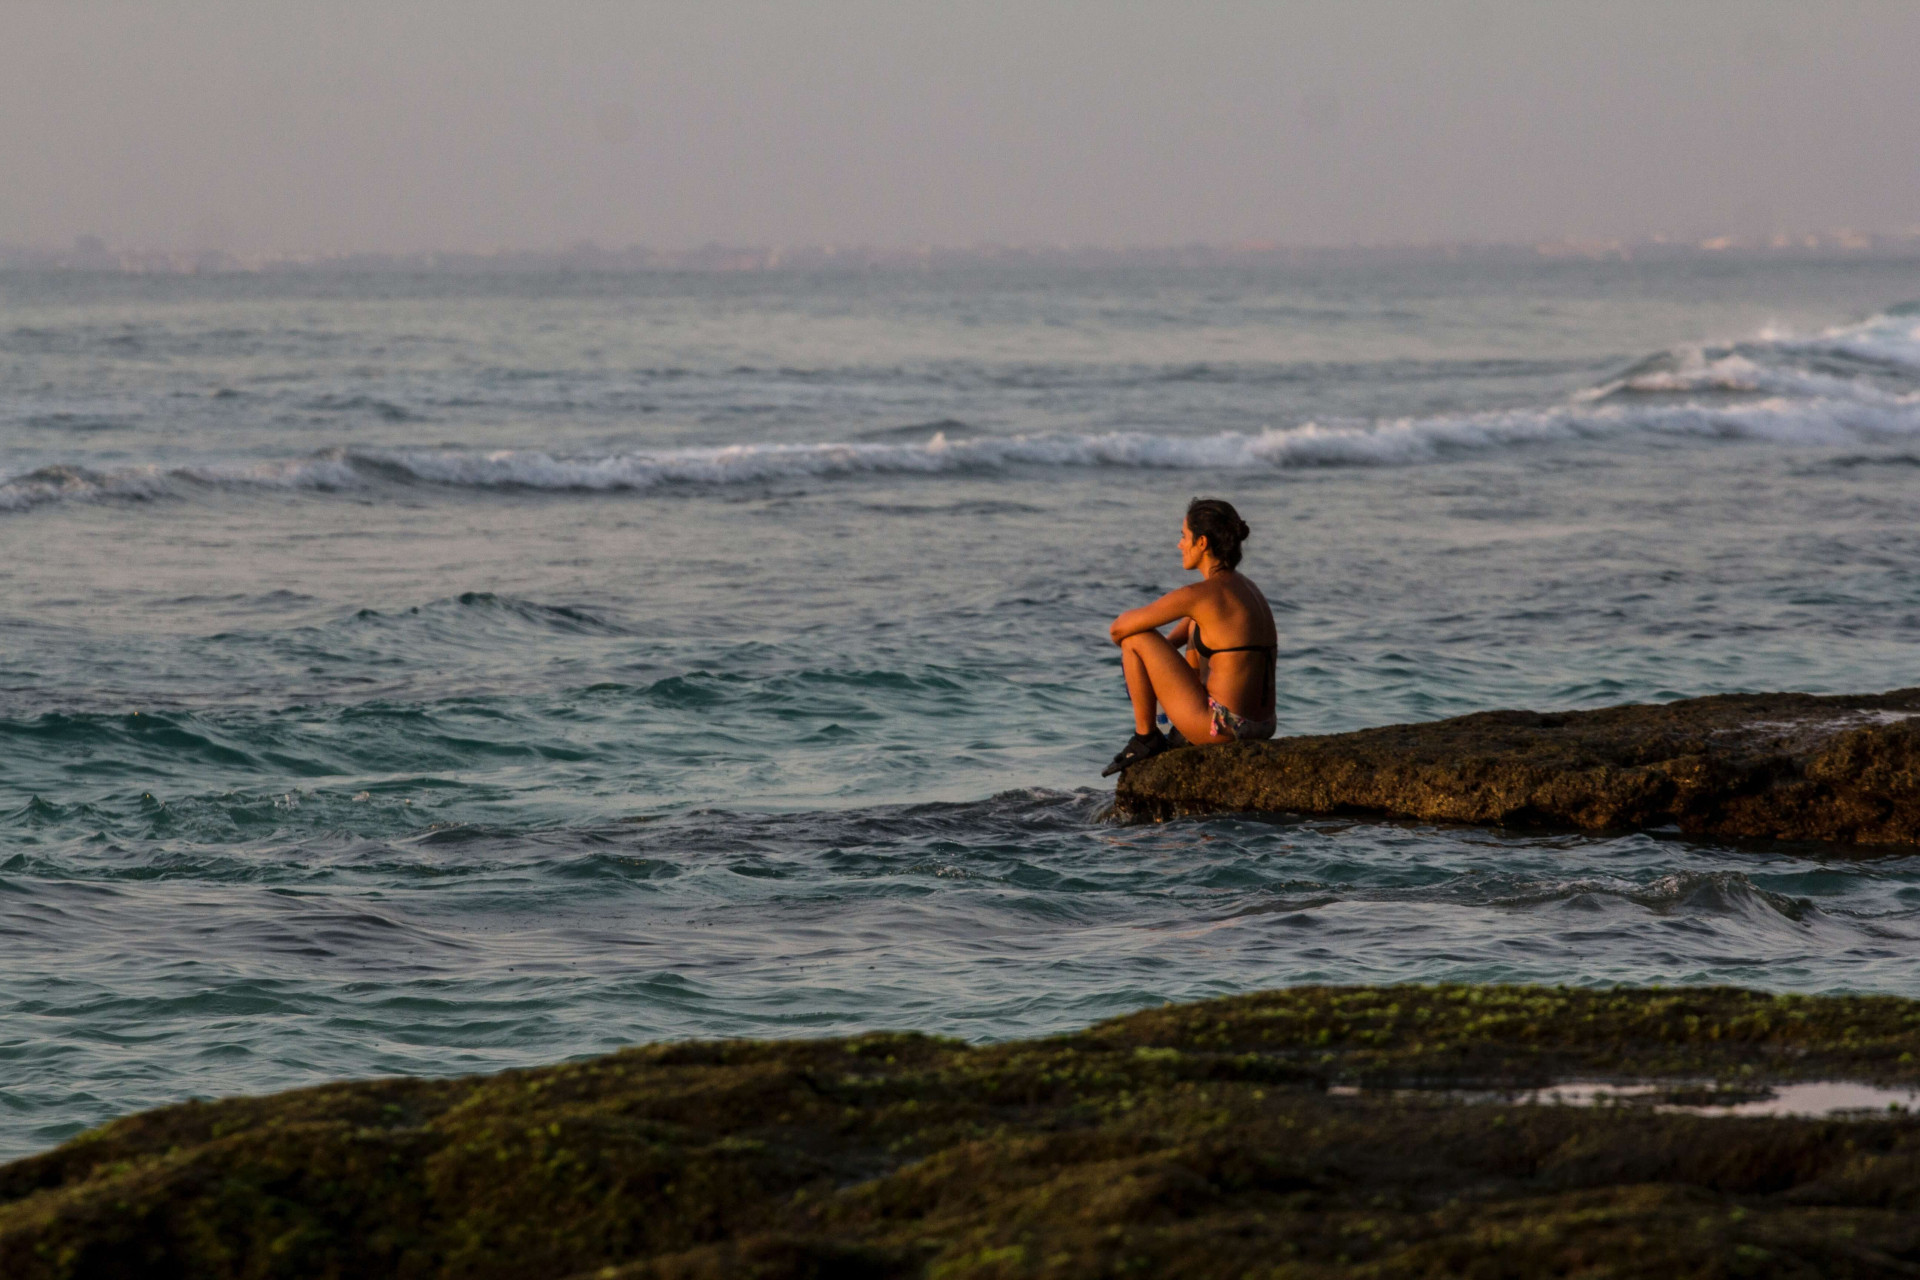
x=1855, y=384
x=333, y=469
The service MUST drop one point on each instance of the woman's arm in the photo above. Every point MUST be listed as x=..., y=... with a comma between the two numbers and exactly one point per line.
x=1171, y=607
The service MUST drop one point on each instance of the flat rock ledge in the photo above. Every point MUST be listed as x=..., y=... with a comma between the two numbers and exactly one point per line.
x=1780, y=766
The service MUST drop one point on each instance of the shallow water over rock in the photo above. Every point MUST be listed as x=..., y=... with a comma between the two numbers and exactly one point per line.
x=1809, y=1099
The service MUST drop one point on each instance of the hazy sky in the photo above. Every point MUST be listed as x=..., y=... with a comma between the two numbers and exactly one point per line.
x=340, y=125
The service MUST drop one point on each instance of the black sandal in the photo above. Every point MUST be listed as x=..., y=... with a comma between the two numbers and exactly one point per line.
x=1141, y=746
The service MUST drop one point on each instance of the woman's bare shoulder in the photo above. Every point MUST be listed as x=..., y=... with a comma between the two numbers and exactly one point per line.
x=1213, y=591
x=1240, y=588
x=1254, y=600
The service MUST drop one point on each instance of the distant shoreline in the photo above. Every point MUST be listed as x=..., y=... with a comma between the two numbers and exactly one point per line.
x=89, y=254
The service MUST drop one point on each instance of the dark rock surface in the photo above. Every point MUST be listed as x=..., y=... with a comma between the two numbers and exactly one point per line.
x=1188, y=1141
x=1787, y=766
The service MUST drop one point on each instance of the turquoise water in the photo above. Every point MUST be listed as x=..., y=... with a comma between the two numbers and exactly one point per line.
x=439, y=674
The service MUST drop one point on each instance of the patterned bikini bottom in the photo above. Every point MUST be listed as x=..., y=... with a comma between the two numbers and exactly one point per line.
x=1231, y=724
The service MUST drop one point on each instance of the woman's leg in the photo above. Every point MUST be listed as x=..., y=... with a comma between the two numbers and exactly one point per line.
x=1157, y=676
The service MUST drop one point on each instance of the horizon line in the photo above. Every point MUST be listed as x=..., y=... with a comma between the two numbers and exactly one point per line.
x=93, y=253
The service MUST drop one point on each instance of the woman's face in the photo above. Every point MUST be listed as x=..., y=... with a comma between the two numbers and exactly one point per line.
x=1192, y=550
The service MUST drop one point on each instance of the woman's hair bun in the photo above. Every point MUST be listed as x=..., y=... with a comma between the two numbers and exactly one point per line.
x=1215, y=520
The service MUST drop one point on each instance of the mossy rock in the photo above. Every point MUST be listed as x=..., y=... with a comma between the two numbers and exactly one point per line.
x=1772, y=766
x=1196, y=1140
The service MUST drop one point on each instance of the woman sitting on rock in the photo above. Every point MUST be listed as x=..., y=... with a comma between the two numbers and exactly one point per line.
x=1222, y=690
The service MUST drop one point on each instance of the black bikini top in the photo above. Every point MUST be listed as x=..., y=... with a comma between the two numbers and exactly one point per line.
x=1200, y=646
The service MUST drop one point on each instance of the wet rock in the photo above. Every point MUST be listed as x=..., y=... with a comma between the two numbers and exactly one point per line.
x=1268, y=1134
x=1784, y=766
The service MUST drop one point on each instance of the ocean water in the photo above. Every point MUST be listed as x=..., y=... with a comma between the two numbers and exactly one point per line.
x=435, y=674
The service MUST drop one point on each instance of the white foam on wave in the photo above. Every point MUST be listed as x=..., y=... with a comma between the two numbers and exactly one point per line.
x=60, y=483
x=1776, y=401
x=1781, y=419
x=1694, y=372
x=750, y=463
x=1891, y=338
x=332, y=469
x=1773, y=363
x=1408, y=440
x=1787, y=404
x=64, y=483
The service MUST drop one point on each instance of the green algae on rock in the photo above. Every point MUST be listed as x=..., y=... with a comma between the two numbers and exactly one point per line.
x=1786, y=766
x=1196, y=1140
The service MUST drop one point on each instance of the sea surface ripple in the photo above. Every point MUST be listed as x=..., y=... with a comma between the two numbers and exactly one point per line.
x=433, y=674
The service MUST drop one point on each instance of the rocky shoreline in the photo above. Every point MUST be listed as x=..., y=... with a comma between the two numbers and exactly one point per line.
x=1775, y=766
x=1268, y=1135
